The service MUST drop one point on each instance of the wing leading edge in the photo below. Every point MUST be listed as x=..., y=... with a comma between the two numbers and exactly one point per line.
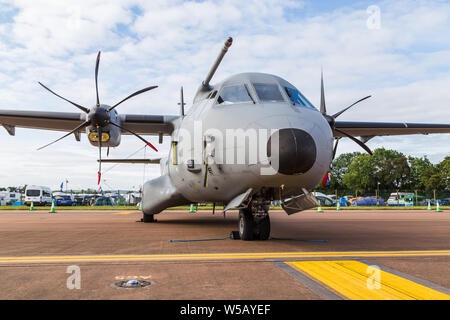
x=372, y=129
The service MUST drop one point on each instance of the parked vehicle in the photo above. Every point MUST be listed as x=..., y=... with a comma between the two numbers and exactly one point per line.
x=64, y=200
x=411, y=200
x=325, y=201
x=39, y=195
x=83, y=199
x=442, y=202
x=398, y=198
x=7, y=198
x=132, y=199
x=104, y=201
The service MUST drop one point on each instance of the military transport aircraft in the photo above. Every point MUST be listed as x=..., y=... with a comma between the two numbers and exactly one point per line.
x=246, y=141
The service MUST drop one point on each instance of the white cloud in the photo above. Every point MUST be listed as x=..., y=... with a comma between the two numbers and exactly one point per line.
x=173, y=43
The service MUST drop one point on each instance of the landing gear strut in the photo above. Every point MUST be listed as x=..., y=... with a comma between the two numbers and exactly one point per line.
x=254, y=225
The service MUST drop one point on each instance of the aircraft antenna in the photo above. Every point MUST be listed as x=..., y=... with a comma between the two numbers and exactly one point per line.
x=181, y=103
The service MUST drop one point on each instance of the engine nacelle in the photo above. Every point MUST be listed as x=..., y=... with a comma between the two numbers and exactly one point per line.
x=111, y=135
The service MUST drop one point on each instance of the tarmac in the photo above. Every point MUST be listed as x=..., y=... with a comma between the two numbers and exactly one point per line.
x=389, y=254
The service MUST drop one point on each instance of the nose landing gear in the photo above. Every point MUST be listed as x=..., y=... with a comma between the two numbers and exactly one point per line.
x=254, y=224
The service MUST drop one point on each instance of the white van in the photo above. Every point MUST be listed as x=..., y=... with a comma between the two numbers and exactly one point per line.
x=7, y=198
x=398, y=201
x=39, y=195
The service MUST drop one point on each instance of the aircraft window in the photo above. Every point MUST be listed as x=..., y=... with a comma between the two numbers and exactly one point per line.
x=297, y=98
x=234, y=94
x=213, y=95
x=268, y=92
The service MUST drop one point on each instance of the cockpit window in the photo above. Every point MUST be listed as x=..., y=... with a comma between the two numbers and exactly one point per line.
x=268, y=92
x=297, y=98
x=234, y=94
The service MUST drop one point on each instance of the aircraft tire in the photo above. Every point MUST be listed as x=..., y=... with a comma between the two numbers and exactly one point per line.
x=264, y=228
x=246, y=225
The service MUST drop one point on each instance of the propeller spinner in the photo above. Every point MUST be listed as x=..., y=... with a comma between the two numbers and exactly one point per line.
x=99, y=117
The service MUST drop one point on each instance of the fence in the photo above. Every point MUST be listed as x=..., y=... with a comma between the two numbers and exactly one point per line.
x=417, y=197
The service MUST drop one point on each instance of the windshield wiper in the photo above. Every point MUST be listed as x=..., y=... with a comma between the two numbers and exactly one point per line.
x=248, y=92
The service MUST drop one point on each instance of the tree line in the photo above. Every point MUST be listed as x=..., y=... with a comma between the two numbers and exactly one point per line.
x=388, y=170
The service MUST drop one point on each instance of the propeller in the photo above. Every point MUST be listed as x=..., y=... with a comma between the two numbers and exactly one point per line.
x=332, y=119
x=332, y=122
x=99, y=132
x=135, y=134
x=98, y=117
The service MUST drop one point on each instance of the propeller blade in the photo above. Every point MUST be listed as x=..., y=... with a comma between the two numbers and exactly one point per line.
x=81, y=126
x=323, y=108
x=138, y=136
x=75, y=104
x=335, y=147
x=361, y=144
x=99, y=132
x=342, y=111
x=96, y=77
x=133, y=95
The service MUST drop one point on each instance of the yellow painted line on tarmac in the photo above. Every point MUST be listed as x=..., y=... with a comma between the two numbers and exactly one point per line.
x=124, y=212
x=358, y=281
x=221, y=256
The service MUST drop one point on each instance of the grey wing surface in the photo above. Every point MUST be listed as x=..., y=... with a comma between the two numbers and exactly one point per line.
x=67, y=121
x=147, y=124
x=58, y=121
x=372, y=129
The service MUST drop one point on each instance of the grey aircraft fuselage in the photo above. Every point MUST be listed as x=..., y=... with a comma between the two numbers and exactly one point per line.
x=184, y=184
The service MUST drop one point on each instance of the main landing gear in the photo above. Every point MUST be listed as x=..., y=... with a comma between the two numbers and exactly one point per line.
x=254, y=223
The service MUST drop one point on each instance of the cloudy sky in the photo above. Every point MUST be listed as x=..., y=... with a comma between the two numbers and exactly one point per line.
x=397, y=50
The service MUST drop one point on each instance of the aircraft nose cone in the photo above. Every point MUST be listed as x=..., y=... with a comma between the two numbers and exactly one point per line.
x=296, y=151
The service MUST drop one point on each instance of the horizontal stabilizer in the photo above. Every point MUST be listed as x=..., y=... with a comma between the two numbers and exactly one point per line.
x=146, y=161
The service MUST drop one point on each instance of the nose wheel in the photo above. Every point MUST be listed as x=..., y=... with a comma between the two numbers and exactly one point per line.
x=253, y=228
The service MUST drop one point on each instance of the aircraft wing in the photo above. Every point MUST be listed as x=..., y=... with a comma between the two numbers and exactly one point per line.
x=67, y=121
x=147, y=124
x=372, y=129
x=59, y=121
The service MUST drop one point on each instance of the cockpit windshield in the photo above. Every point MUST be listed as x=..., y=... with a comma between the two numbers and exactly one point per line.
x=268, y=92
x=297, y=98
x=234, y=94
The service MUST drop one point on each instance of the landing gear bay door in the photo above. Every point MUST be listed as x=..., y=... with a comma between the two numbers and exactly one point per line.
x=299, y=203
